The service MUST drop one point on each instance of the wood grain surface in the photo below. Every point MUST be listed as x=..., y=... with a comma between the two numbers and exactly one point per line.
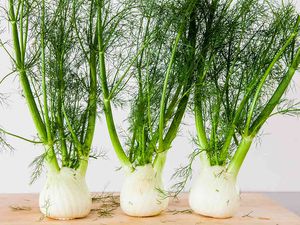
x=22, y=209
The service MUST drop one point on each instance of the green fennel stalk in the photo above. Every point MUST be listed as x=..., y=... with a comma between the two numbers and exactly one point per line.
x=246, y=64
x=59, y=83
x=155, y=48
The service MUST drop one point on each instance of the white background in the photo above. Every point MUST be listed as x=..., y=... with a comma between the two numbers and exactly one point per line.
x=271, y=165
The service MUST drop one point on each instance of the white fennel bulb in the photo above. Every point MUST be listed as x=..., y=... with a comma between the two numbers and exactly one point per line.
x=140, y=195
x=65, y=195
x=215, y=193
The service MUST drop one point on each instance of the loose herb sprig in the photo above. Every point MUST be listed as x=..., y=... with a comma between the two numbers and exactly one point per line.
x=107, y=203
x=3, y=143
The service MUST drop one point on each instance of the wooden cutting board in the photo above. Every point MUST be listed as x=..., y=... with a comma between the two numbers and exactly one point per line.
x=22, y=209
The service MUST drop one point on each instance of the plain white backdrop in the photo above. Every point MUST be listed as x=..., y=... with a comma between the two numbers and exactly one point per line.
x=273, y=163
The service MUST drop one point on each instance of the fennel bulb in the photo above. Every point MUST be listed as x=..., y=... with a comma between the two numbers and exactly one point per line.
x=65, y=195
x=215, y=193
x=140, y=195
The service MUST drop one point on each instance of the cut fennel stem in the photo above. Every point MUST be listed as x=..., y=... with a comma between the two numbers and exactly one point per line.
x=140, y=195
x=215, y=193
x=65, y=195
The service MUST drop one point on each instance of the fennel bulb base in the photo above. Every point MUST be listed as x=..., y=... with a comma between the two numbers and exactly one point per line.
x=215, y=193
x=65, y=195
x=140, y=195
